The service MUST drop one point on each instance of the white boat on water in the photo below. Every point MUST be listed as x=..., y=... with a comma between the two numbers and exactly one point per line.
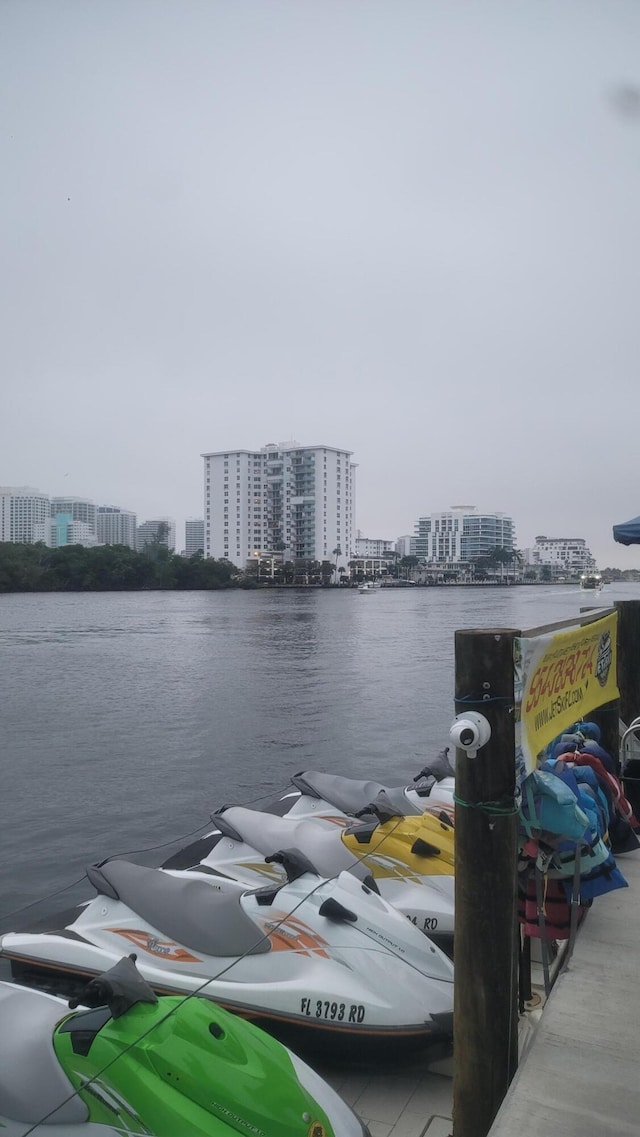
x=591, y=582
x=368, y=586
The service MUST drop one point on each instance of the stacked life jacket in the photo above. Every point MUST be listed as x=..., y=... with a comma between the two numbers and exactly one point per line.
x=564, y=820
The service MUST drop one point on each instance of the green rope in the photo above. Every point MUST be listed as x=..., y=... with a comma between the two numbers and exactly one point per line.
x=498, y=808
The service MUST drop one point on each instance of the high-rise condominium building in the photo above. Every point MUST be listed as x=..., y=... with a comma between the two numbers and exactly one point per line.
x=80, y=508
x=158, y=531
x=24, y=513
x=193, y=536
x=288, y=501
x=568, y=554
x=405, y=546
x=462, y=534
x=63, y=530
x=115, y=526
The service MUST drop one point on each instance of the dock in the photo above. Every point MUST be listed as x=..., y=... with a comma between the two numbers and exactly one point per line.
x=578, y=1067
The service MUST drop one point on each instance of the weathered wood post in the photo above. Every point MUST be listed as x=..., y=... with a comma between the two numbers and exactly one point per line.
x=628, y=658
x=486, y=946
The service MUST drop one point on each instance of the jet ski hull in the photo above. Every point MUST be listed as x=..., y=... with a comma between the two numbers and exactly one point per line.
x=361, y=977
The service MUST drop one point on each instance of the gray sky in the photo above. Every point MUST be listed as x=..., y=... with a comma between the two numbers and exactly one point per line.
x=405, y=227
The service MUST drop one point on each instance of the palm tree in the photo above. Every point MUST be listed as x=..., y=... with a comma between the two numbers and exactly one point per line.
x=517, y=561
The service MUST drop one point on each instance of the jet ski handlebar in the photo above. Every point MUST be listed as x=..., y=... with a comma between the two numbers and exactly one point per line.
x=437, y=769
x=382, y=809
x=119, y=989
x=294, y=863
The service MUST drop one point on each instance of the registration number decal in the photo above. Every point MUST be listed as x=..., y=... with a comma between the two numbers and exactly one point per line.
x=429, y=923
x=334, y=1012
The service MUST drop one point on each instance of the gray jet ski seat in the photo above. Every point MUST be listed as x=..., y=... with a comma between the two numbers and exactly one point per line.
x=268, y=833
x=32, y=1081
x=192, y=912
x=350, y=794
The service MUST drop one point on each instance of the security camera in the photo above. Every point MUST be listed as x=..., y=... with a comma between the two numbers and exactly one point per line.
x=469, y=732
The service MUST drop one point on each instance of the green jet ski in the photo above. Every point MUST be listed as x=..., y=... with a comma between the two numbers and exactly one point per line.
x=130, y=1062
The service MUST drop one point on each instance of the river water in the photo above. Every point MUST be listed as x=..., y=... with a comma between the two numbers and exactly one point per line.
x=128, y=717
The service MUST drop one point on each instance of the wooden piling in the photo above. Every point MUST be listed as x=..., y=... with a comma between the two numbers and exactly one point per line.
x=629, y=658
x=486, y=947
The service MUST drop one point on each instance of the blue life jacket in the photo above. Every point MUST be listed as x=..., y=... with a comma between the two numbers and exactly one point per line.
x=549, y=805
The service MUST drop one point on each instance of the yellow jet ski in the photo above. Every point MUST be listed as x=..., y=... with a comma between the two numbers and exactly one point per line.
x=401, y=847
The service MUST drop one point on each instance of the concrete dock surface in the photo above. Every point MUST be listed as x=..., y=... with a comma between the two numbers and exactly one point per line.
x=579, y=1074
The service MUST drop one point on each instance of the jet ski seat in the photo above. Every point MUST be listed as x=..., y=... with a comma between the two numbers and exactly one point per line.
x=268, y=833
x=192, y=912
x=350, y=794
x=32, y=1081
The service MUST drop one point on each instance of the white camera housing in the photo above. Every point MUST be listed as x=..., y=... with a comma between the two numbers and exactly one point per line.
x=469, y=732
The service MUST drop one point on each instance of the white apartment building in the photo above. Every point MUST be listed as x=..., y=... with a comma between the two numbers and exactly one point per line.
x=161, y=530
x=405, y=546
x=193, y=536
x=81, y=509
x=372, y=547
x=115, y=526
x=63, y=530
x=24, y=513
x=461, y=534
x=287, y=501
x=566, y=554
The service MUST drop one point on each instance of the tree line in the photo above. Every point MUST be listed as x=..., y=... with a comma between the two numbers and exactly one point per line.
x=107, y=568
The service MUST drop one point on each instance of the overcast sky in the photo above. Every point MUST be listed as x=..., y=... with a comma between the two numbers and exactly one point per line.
x=409, y=228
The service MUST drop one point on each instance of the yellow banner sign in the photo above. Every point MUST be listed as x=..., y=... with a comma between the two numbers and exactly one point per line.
x=559, y=679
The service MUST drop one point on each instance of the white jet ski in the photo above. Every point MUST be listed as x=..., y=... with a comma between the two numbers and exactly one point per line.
x=327, y=957
x=241, y=845
x=332, y=797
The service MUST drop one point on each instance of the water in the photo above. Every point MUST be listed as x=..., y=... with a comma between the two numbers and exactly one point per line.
x=127, y=718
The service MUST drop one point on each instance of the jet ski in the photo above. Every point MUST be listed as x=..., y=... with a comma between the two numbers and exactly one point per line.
x=410, y=859
x=329, y=958
x=332, y=797
x=128, y=1062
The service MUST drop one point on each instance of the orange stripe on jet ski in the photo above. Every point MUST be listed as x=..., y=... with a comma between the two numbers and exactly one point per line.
x=164, y=949
x=287, y=933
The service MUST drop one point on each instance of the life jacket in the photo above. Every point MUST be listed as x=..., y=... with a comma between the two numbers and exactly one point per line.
x=548, y=805
x=556, y=909
x=621, y=803
x=561, y=852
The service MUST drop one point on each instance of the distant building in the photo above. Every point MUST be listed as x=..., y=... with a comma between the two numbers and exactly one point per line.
x=81, y=509
x=115, y=526
x=24, y=513
x=288, y=502
x=563, y=554
x=406, y=546
x=160, y=530
x=63, y=530
x=461, y=534
x=193, y=536
x=372, y=547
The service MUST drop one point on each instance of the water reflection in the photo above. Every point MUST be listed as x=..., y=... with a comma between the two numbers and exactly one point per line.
x=129, y=717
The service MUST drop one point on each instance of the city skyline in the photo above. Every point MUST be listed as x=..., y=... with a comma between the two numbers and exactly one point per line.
x=111, y=526
x=431, y=259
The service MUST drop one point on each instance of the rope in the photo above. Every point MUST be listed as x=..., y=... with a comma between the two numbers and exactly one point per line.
x=129, y=853
x=469, y=700
x=506, y=807
x=210, y=979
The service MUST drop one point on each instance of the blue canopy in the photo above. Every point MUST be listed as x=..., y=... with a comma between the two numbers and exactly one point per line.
x=628, y=533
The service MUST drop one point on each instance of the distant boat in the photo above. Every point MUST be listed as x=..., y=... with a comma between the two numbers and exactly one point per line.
x=591, y=582
x=368, y=586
